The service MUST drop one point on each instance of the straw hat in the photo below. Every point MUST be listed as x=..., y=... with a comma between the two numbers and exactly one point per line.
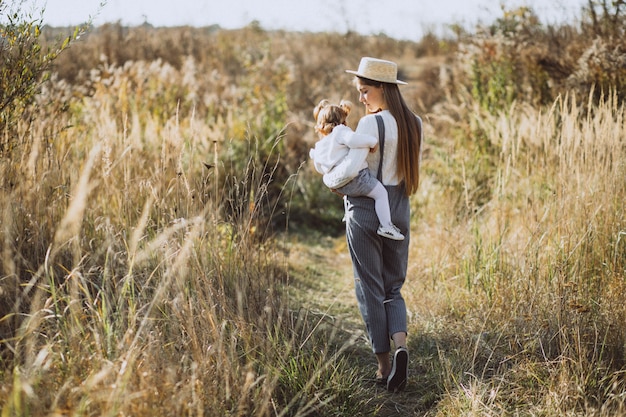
x=377, y=70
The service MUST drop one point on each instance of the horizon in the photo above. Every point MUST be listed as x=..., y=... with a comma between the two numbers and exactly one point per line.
x=404, y=19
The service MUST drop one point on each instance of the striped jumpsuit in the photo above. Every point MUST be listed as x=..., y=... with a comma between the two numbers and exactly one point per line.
x=379, y=264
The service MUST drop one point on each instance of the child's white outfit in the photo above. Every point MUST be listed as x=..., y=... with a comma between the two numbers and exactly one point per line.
x=340, y=157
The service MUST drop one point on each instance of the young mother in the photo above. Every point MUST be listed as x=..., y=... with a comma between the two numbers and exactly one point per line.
x=380, y=264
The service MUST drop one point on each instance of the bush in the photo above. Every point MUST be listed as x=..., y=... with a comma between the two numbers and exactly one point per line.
x=519, y=59
x=505, y=62
x=602, y=64
x=24, y=66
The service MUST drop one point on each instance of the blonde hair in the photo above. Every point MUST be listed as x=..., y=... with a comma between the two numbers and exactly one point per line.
x=409, y=134
x=328, y=115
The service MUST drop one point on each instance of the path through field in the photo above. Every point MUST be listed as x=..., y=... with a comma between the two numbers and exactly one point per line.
x=323, y=282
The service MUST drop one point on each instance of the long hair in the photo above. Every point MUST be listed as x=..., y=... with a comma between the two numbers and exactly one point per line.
x=409, y=134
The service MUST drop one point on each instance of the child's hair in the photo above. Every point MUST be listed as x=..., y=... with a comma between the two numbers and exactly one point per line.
x=327, y=115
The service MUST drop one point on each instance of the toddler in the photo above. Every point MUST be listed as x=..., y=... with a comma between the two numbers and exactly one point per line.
x=340, y=155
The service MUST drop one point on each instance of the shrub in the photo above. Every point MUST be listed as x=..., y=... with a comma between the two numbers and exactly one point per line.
x=518, y=59
x=602, y=64
x=503, y=61
x=24, y=66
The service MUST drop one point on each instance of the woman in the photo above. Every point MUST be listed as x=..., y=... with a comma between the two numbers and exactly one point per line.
x=380, y=264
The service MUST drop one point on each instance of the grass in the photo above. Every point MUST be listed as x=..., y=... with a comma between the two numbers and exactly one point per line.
x=520, y=296
x=152, y=283
x=155, y=258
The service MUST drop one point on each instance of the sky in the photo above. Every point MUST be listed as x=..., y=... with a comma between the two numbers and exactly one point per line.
x=402, y=19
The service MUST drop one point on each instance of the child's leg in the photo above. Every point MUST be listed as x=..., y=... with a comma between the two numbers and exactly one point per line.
x=381, y=204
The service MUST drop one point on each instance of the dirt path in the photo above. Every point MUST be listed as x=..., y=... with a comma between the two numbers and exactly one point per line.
x=323, y=280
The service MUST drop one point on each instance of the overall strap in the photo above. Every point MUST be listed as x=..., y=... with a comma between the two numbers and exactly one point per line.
x=381, y=142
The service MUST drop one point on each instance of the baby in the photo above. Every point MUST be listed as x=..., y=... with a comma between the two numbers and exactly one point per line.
x=339, y=148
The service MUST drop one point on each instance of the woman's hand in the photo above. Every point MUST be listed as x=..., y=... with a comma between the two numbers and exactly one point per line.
x=374, y=149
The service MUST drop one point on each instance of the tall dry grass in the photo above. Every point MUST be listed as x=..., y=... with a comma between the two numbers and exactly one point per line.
x=268, y=81
x=142, y=273
x=138, y=273
x=139, y=270
x=519, y=303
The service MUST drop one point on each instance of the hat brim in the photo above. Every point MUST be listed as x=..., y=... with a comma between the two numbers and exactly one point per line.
x=370, y=78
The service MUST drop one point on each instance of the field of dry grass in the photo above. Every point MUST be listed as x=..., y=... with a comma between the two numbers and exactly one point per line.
x=167, y=249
